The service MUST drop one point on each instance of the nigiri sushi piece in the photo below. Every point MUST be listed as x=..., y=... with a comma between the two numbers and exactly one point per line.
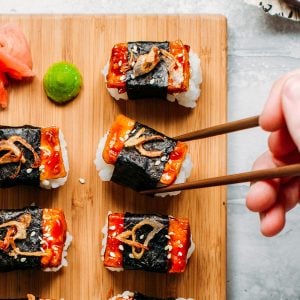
x=138, y=296
x=15, y=58
x=137, y=156
x=148, y=242
x=145, y=69
x=33, y=156
x=33, y=238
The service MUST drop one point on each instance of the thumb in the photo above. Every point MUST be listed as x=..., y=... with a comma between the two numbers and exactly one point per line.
x=291, y=107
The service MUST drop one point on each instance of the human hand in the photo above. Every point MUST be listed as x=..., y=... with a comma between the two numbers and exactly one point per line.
x=281, y=117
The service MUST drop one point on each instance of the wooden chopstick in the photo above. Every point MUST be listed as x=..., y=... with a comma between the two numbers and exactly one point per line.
x=279, y=172
x=220, y=129
x=290, y=170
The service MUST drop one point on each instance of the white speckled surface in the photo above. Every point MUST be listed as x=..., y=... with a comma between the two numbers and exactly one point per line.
x=261, y=48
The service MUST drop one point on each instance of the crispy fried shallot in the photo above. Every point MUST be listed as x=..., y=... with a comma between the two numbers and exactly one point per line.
x=135, y=139
x=146, y=62
x=128, y=65
x=138, y=140
x=17, y=231
x=14, y=154
x=175, y=69
x=124, y=237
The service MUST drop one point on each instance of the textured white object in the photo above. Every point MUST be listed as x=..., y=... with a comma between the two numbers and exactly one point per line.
x=276, y=7
x=105, y=170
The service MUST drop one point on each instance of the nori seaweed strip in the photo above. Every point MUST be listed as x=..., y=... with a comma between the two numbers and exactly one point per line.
x=30, y=244
x=141, y=172
x=155, y=259
x=139, y=296
x=33, y=136
x=153, y=84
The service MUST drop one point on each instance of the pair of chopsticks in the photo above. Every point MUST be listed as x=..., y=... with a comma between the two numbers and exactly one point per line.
x=290, y=170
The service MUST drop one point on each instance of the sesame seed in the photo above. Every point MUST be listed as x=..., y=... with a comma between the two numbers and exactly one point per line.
x=33, y=233
x=131, y=255
x=167, y=247
x=180, y=246
x=42, y=168
x=152, y=81
x=81, y=180
x=142, y=236
x=180, y=55
x=171, y=233
x=23, y=259
x=169, y=256
x=170, y=248
x=28, y=171
x=122, y=78
x=113, y=227
x=167, y=236
x=157, y=163
x=163, y=158
x=180, y=253
x=120, y=63
x=114, y=234
x=121, y=247
x=132, y=76
x=112, y=254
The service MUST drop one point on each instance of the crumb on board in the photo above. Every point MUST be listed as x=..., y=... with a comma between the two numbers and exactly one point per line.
x=82, y=180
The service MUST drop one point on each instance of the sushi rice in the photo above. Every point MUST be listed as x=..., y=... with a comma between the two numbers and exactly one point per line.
x=186, y=99
x=127, y=294
x=57, y=182
x=105, y=170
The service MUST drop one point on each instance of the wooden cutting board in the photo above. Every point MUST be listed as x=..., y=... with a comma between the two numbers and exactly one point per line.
x=87, y=41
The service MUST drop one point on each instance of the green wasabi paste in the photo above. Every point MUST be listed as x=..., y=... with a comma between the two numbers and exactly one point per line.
x=62, y=82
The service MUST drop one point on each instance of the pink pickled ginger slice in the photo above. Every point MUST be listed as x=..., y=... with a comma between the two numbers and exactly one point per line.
x=3, y=90
x=15, y=54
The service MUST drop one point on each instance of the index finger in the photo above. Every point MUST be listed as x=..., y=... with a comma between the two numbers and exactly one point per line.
x=272, y=116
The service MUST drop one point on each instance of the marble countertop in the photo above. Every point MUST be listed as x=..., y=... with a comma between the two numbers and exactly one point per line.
x=261, y=48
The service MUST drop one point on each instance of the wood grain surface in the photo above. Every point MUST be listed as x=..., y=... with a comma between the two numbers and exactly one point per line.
x=86, y=41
